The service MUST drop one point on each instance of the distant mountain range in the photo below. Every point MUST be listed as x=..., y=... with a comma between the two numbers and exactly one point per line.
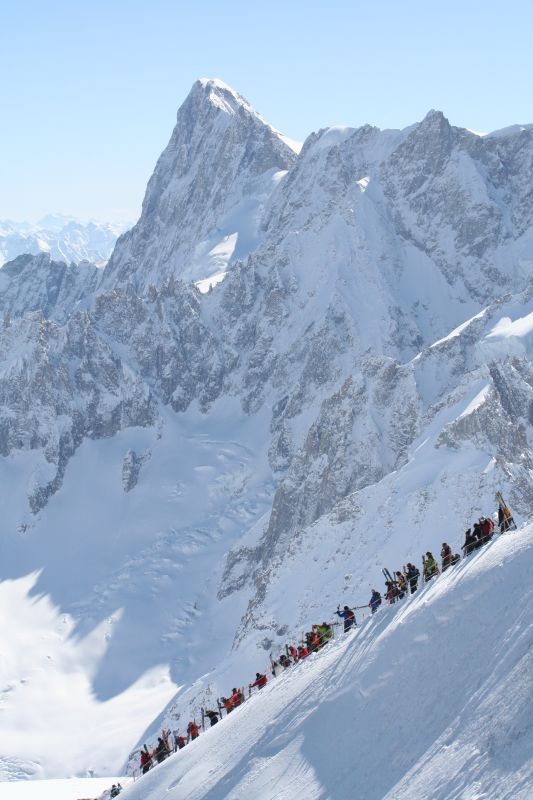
x=63, y=238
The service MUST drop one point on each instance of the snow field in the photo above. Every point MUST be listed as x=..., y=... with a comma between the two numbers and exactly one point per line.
x=429, y=699
x=66, y=789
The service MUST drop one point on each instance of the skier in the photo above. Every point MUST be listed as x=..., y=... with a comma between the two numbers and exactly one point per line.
x=348, y=616
x=487, y=529
x=430, y=567
x=213, y=716
x=325, y=633
x=146, y=759
x=179, y=741
x=165, y=735
x=375, y=600
x=292, y=652
x=313, y=640
x=446, y=555
x=284, y=661
x=456, y=558
x=507, y=519
x=227, y=702
x=402, y=584
x=478, y=534
x=161, y=751
x=193, y=731
x=392, y=592
x=470, y=542
x=303, y=652
x=114, y=791
x=260, y=681
x=412, y=575
x=277, y=669
x=236, y=698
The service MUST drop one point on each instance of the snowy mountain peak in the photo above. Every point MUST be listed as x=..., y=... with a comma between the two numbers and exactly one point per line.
x=220, y=95
x=204, y=202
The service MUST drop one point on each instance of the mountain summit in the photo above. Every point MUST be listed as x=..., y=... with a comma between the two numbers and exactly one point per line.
x=203, y=203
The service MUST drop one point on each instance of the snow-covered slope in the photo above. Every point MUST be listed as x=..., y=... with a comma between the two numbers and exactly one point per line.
x=62, y=238
x=429, y=699
x=207, y=469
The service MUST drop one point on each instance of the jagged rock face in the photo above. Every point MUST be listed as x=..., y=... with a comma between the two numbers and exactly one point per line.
x=373, y=243
x=59, y=385
x=36, y=283
x=209, y=183
x=362, y=433
x=459, y=197
x=469, y=394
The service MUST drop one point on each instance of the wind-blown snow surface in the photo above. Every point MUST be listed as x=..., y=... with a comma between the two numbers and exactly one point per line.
x=429, y=699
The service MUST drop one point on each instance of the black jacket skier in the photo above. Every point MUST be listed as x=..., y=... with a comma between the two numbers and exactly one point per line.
x=412, y=575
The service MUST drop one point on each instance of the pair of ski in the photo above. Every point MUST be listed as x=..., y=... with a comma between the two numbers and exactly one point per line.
x=395, y=582
x=388, y=576
x=506, y=512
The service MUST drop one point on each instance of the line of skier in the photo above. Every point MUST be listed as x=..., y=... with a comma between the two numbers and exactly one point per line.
x=397, y=586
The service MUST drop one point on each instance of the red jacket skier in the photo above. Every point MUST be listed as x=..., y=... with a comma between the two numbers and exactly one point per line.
x=260, y=681
x=193, y=730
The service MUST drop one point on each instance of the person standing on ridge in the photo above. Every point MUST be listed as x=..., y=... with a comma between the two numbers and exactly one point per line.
x=277, y=668
x=375, y=600
x=179, y=741
x=402, y=584
x=392, y=591
x=348, y=616
x=292, y=652
x=213, y=716
x=430, y=567
x=146, y=759
x=193, y=731
x=412, y=575
x=237, y=697
x=161, y=751
x=446, y=554
x=260, y=681
x=487, y=529
x=470, y=542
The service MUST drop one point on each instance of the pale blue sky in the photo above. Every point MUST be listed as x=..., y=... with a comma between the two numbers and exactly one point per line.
x=89, y=89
